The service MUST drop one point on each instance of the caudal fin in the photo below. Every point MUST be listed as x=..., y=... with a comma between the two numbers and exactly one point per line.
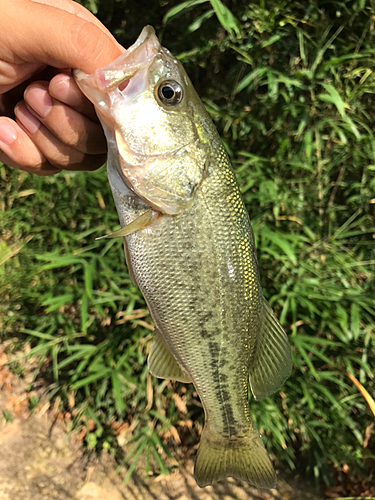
x=242, y=457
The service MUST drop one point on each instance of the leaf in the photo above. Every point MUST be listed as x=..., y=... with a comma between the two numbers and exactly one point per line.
x=301, y=348
x=369, y=400
x=84, y=312
x=120, y=405
x=355, y=320
x=194, y=26
x=162, y=467
x=54, y=352
x=7, y=253
x=55, y=303
x=136, y=458
x=181, y=8
x=91, y=378
x=41, y=335
x=271, y=40
x=225, y=17
x=333, y=97
x=57, y=261
x=249, y=78
x=283, y=244
x=83, y=351
x=89, y=271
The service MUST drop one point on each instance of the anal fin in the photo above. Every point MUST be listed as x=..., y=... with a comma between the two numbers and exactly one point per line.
x=161, y=363
x=272, y=361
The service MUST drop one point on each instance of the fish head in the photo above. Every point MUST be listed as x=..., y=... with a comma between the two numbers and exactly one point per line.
x=154, y=121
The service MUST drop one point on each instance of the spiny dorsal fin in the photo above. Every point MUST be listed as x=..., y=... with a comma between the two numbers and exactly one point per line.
x=272, y=361
x=161, y=363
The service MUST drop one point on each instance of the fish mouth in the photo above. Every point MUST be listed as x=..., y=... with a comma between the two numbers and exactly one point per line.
x=118, y=73
x=136, y=58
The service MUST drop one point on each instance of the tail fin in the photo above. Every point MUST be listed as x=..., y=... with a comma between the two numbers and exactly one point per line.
x=242, y=457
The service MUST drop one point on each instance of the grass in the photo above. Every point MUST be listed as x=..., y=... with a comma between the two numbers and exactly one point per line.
x=293, y=101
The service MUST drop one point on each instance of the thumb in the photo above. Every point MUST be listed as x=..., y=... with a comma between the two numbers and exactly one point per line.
x=62, y=35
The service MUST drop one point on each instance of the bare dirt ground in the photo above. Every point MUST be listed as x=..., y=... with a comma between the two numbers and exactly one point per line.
x=39, y=461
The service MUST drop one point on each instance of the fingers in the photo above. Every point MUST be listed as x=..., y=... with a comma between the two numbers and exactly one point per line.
x=70, y=127
x=63, y=88
x=56, y=152
x=18, y=150
x=49, y=135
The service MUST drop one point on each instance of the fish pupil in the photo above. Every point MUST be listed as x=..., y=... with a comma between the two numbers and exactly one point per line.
x=167, y=92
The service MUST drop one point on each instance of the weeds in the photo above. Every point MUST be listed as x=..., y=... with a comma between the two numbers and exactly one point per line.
x=293, y=101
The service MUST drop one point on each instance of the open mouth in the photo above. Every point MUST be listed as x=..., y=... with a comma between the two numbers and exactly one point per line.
x=118, y=73
x=123, y=85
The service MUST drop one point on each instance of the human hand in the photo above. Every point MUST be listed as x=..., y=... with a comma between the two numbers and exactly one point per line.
x=48, y=125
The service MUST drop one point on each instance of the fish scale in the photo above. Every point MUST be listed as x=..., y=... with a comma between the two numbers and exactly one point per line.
x=190, y=249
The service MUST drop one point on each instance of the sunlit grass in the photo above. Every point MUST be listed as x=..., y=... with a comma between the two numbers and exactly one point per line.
x=293, y=101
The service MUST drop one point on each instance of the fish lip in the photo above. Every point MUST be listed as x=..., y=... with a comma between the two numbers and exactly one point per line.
x=137, y=57
x=117, y=74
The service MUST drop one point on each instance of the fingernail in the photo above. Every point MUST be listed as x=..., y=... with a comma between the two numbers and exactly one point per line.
x=63, y=88
x=38, y=99
x=8, y=133
x=59, y=86
x=28, y=120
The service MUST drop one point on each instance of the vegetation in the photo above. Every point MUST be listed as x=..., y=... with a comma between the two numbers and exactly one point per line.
x=290, y=86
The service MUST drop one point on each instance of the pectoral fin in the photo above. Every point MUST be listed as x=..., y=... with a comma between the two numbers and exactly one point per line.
x=272, y=361
x=161, y=363
x=140, y=222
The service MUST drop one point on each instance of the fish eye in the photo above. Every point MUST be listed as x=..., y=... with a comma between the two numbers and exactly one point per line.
x=170, y=93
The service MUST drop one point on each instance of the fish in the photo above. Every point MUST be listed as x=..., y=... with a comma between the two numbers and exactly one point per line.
x=190, y=249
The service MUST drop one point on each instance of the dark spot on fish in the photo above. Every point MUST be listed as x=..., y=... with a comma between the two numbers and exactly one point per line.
x=220, y=384
x=225, y=394
x=207, y=315
x=230, y=424
x=214, y=349
x=204, y=333
x=204, y=327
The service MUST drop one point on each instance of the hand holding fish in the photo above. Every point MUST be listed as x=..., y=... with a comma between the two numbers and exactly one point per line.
x=46, y=124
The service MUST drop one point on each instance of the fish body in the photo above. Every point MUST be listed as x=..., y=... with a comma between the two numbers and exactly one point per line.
x=190, y=249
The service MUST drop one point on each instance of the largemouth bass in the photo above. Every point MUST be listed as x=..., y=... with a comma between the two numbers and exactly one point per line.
x=190, y=248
